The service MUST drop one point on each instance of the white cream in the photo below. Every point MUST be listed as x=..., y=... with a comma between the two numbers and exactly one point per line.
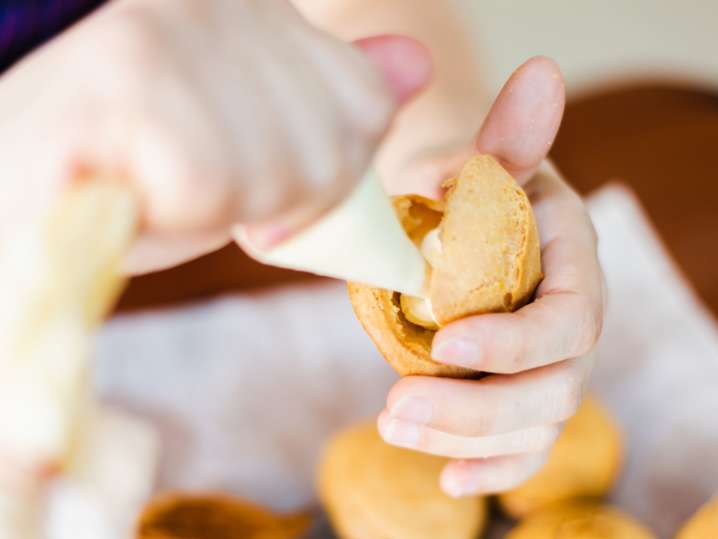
x=431, y=247
x=419, y=310
x=361, y=240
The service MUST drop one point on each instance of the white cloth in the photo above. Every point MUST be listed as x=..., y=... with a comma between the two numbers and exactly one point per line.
x=245, y=389
x=657, y=370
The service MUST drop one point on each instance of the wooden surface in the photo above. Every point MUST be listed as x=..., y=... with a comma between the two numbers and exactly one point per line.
x=663, y=144
x=661, y=141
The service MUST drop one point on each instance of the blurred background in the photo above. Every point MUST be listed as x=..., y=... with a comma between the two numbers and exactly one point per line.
x=642, y=111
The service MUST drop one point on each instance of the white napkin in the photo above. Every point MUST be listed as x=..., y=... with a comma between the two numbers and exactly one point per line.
x=657, y=370
x=245, y=389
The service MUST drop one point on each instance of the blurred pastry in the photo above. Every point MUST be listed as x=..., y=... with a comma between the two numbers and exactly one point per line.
x=702, y=525
x=483, y=255
x=215, y=516
x=580, y=520
x=585, y=462
x=372, y=490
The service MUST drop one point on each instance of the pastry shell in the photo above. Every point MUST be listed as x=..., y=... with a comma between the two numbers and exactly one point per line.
x=702, y=525
x=184, y=516
x=580, y=520
x=584, y=463
x=373, y=490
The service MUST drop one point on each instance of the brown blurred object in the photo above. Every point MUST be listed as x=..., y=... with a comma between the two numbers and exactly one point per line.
x=215, y=516
x=661, y=141
x=657, y=139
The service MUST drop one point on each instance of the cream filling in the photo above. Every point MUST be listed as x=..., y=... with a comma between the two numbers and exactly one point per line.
x=418, y=310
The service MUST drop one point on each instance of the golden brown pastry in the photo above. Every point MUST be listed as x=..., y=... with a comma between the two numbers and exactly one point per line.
x=372, y=490
x=483, y=251
x=215, y=516
x=585, y=462
x=702, y=525
x=580, y=520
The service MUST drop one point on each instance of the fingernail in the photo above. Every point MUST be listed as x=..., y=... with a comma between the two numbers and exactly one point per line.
x=413, y=409
x=461, y=352
x=402, y=433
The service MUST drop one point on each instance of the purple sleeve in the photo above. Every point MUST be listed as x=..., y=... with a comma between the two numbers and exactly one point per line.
x=24, y=24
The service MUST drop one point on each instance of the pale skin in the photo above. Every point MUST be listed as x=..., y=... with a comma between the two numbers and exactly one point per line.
x=497, y=431
x=500, y=429
x=171, y=97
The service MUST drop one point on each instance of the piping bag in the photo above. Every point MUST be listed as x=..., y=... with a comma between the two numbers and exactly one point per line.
x=360, y=240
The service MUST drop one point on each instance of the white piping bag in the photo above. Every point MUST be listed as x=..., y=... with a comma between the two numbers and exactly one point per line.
x=360, y=240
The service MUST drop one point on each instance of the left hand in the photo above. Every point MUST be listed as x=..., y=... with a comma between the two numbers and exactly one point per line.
x=499, y=429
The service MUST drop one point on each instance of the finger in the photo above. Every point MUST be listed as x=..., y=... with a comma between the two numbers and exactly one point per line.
x=489, y=476
x=428, y=440
x=521, y=126
x=404, y=63
x=563, y=322
x=518, y=130
x=405, y=67
x=494, y=405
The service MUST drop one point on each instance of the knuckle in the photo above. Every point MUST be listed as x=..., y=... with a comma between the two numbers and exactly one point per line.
x=424, y=440
x=320, y=178
x=514, y=363
x=535, y=440
x=513, y=350
x=196, y=11
x=569, y=400
x=591, y=229
x=260, y=201
x=573, y=199
x=372, y=115
x=545, y=439
x=178, y=195
x=590, y=327
x=501, y=342
x=403, y=388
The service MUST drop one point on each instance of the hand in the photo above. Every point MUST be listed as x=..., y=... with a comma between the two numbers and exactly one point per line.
x=216, y=112
x=499, y=429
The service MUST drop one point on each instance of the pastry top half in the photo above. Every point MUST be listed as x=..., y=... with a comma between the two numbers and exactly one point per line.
x=584, y=463
x=483, y=256
x=580, y=520
x=490, y=257
x=372, y=490
x=215, y=516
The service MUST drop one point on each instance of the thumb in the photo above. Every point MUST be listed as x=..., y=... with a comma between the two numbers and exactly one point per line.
x=523, y=121
x=404, y=63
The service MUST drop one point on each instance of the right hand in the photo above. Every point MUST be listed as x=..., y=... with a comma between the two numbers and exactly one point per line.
x=216, y=112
